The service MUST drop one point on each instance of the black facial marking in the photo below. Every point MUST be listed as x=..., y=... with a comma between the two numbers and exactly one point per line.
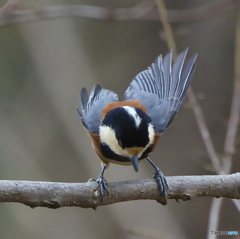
x=108, y=153
x=127, y=133
x=146, y=152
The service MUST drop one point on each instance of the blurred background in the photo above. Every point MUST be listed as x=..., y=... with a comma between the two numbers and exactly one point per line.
x=44, y=65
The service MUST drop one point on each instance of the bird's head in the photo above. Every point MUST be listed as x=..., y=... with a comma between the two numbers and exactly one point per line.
x=126, y=132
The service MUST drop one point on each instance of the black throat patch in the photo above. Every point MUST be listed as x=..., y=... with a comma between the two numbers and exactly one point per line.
x=109, y=154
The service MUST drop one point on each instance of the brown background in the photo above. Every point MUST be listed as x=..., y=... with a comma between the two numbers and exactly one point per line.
x=44, y=65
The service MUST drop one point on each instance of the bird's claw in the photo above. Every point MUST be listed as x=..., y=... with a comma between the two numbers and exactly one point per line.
x=162, y=184
x=102, y=184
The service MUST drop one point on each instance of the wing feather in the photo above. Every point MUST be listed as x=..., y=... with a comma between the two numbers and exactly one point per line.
x=93, y=93
x=167, y=68
x=92, y=107
x=177, y=70
x=83, y=98
x=161, y=88
x=187, y=75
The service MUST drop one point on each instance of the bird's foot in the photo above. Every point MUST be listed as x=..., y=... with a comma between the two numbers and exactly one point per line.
x=102, y=185
x=162, y=184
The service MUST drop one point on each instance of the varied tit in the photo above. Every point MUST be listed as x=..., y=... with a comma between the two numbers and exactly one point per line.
x=126, y=132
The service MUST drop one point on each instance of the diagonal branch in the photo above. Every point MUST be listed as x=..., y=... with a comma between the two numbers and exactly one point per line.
x=9, y=7
x=190, y=94
x=167, y=28
x=232, y=124
x=204, y=131
x=235, y=108
x=56, y=195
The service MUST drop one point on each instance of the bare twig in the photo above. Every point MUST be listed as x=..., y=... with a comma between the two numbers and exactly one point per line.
x=237, y=204
x=209, y=10
x=235, y=109
x=146, y=4
x=232, y=126
x=214, y=217
x=121, y=14
x=56, y=195
x=230, y=136
x=204, y=131
x=9, y=7
x=231, y=132
x=167, y=28
x=191, y=96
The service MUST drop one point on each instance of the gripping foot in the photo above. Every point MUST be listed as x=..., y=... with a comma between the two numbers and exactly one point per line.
x=161, y=181
x=102, y=183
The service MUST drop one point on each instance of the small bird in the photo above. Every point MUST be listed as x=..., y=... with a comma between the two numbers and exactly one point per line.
x=126, y=132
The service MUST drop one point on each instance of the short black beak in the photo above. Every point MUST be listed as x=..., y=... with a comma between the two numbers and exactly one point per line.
x=134, y=161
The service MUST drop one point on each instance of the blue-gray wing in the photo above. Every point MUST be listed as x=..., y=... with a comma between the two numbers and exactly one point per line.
x=161, y=88
x=93, y=105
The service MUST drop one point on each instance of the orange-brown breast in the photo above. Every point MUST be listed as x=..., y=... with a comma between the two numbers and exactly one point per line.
x=155, y=141
x=133, y=103
x=96, y=145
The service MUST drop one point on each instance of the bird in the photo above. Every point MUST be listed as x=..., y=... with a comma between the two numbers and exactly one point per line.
x=127, y=132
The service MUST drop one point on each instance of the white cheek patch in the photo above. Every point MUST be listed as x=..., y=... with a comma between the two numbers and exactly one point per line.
x=132, y=112
x=108, y=136
x=151, y=134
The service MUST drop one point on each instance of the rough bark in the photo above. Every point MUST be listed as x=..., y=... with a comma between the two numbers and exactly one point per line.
x=85, y=195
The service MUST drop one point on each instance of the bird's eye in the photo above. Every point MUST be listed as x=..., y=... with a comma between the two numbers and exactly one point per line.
x=120, y=142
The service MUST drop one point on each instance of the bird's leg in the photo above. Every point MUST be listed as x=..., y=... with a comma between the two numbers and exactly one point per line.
x=161, y=181
x=102, y=183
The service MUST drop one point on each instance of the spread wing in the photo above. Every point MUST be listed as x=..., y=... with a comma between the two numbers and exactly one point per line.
x=93, y=105
x=161, y=88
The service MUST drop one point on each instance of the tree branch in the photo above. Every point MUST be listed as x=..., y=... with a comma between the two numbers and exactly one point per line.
x=9, y=16
x=85, y=195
